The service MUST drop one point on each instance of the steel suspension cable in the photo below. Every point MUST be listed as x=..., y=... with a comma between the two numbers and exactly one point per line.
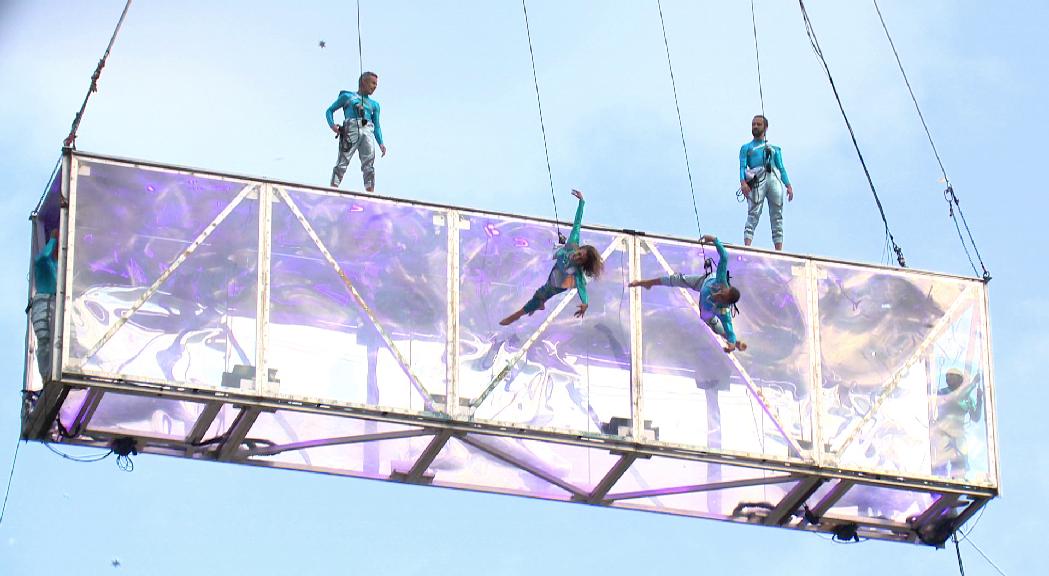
x=542, y=125
x=70, y=141
x=881, y=210
x=757, y=56
x=360, y=43
x=680, y=124
x=952, y=199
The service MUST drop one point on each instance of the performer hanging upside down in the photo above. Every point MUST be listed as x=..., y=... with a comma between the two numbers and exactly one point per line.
x=573, y=264
x=716, y=296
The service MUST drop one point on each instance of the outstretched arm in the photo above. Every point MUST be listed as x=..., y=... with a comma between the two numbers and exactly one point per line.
x=573, y=238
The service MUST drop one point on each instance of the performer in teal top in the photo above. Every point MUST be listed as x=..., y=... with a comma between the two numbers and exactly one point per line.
x=573, y=264
x=42, y=304
x=762, y=175
x=716, y=295
x=360, y=129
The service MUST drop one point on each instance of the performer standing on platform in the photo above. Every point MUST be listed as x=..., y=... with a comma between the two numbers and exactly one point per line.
x=42, y=305
x=573, y=264
x=716, y=296
x=360, y=129
x=761, y=176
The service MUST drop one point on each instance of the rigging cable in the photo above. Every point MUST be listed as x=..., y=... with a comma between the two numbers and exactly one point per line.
x=10, y=478
x=680, y=124
x=542, y=125
x=757, y=56
x=360, y=44
x=948, y=194
x=70, y=141
x=819, y=54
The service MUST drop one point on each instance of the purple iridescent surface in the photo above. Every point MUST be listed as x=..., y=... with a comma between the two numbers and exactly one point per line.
x=848, y=366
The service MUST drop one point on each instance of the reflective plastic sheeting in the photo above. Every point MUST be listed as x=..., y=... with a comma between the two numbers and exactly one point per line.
x=389, y=305
x=904, y=378
x=358, y=300
x=131, y=225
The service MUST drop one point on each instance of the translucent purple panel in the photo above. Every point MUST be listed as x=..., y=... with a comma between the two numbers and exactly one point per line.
x=904, y=378
x=370, y=327
x=131, y=226
x=550, y=369
x=485, y=463
x=696, y=488
x=693, y=392
x=334, y=444
x=892, y=504
x=156, y=417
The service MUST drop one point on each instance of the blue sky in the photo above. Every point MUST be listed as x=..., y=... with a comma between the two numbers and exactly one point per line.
x=242, y=86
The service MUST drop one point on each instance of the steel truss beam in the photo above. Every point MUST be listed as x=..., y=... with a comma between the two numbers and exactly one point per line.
x=417, y=474
x=548, y=435
x=338, y=441
x=537, y=472
x=670, y=491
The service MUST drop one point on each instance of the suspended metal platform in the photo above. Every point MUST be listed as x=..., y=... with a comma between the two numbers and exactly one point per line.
x=220, y=317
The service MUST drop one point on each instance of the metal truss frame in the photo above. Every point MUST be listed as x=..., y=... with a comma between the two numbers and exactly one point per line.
x=445, y=419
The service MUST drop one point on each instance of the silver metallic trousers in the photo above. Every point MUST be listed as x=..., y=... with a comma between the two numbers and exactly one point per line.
x=41, y=311
x=769, y=187
x=359, y=139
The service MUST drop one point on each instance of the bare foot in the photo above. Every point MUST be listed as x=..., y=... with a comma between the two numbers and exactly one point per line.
x=640, y=283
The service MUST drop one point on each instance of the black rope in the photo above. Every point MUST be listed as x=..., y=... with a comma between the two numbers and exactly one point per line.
x=680, y=124
x=93, y=458
x=542, y=125
x=958, y=551
x=819, y=54
x=70, y=141
x=10, y=479
x=47, y=188
x=989, y=561
x=757, y=56
x=360, y=43
x=952, y=200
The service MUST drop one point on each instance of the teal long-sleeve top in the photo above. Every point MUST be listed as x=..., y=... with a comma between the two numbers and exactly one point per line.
x=348, y=101
x=563, y=267
x=45, y=272
x=707, y=305
x=752, y=154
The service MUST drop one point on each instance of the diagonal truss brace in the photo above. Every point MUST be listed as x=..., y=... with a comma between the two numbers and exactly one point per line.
x=415, y=381
x=339, y=441
x=755, y=390
x=179, y=260
x=894, y=382
x=565, y=300
x=674, y=490
x=576, y=493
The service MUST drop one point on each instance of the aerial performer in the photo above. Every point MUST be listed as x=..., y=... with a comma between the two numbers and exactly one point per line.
x=360, y=129
x=762, y=176
x=716, y=295
x=42, y=304
x=573, y=264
